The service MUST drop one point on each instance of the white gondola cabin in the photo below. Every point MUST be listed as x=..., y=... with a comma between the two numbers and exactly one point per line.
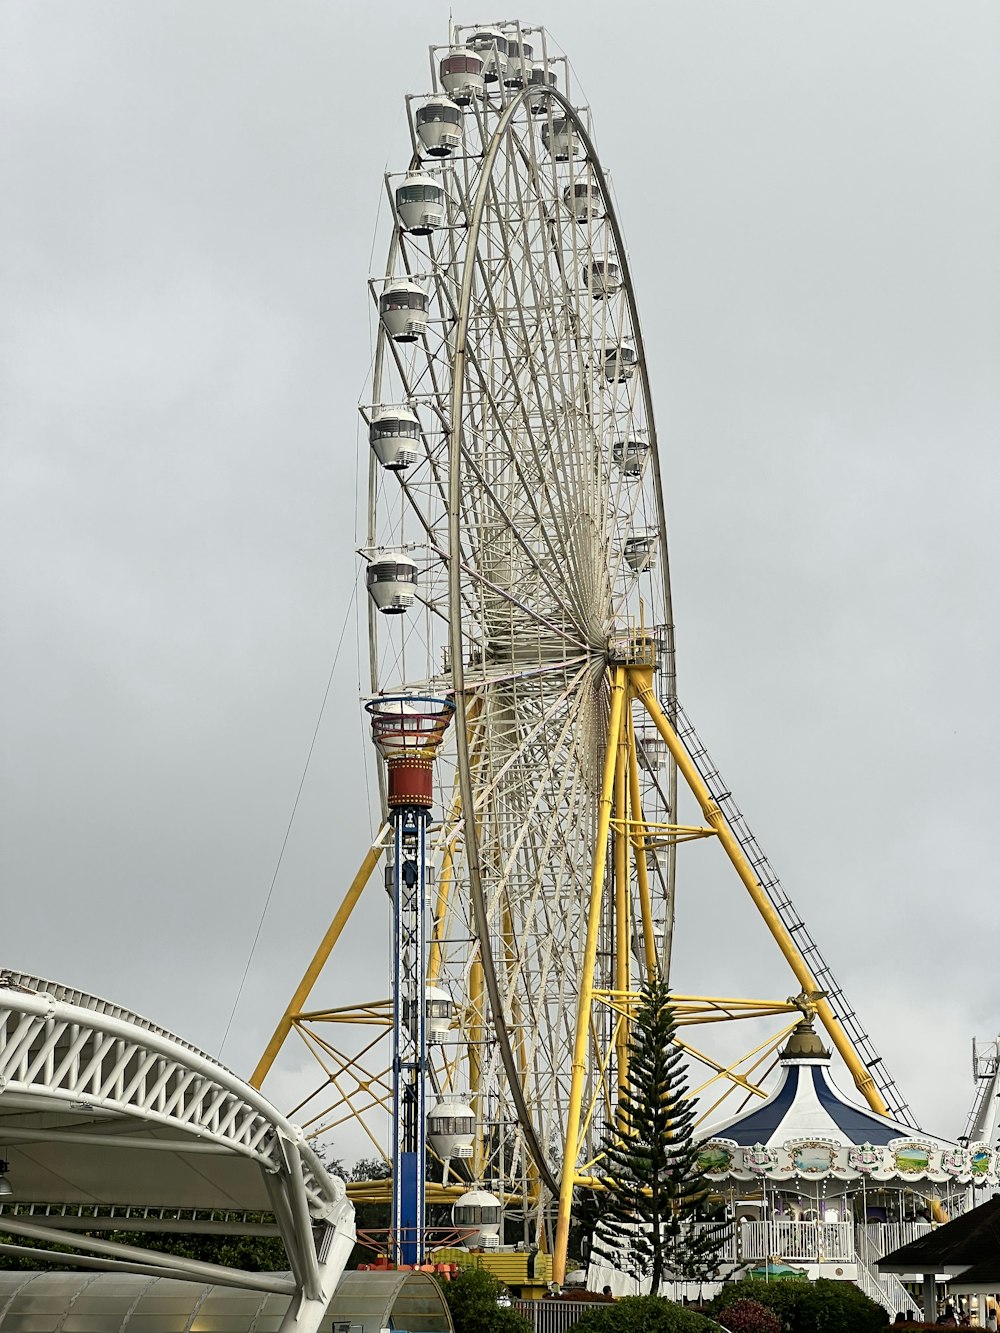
x=440, y=1013
x=420, y=203
x=462, y=75
x=491, y=44
x=619, y=364
x=477, y=1213
x=439, y=126
x=451, y=1129
x=439, y=1008
x=584, y=200
x=403, y=309
x=630, y=457
x=541, y=78
x=394, y=435
x=560, y=139
x=519, y=62
x=603, y=277
x=640, y=552
x=651, y=750
x=392, y=582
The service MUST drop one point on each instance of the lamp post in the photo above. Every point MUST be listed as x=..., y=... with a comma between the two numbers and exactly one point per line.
x=407, y=731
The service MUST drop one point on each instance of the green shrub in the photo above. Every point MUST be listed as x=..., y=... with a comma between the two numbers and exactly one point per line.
x=643, y=1314
x=472, y=1297
x=746, y=1316
x=823, y=1306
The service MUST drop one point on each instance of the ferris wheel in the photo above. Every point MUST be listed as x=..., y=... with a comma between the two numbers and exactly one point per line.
x=515, y=534
x=516, y=563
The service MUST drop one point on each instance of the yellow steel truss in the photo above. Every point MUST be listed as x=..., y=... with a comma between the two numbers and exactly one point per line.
x=359, y=1083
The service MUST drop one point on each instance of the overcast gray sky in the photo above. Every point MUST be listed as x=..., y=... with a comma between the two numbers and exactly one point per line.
x=188, y=192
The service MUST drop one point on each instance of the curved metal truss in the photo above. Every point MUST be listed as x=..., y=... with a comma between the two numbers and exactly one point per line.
x=100, y=1108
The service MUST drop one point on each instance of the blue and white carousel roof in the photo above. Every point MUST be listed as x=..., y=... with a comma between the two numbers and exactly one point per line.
x=807, y=1127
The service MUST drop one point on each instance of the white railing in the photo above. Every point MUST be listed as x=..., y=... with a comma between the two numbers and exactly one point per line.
x=885, y=1288
x=729, y=1243
x=812, y=1242
x=889, y=1236
x=554, y=1316
x=817, y=1242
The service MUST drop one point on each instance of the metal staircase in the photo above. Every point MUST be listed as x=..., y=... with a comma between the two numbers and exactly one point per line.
x=792, y=919
x=885, y=1288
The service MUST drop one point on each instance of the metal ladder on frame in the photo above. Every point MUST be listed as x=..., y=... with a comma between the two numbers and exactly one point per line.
x=792, y=919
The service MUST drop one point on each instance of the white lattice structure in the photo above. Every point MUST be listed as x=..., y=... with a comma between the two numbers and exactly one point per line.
x=102, y=1109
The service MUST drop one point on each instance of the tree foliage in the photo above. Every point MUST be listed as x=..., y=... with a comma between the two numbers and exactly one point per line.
x=823, y=1306
x=747, y=1316
x=253, y=1254
x=653, y=1190
x=472, y=1297
x=643, y=1314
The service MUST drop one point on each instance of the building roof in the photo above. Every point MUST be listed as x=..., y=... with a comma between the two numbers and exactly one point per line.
x=980, y=1277
x=99, y=1107
x=807, y=1104
x=968, y=1242
x=121, y=1302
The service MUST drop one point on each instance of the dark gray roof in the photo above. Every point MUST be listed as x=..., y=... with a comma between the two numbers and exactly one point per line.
x=969, y=1241
x=980, y=1277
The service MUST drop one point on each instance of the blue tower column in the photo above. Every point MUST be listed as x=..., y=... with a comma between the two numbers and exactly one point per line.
x=409, y=1064
x=407, y=731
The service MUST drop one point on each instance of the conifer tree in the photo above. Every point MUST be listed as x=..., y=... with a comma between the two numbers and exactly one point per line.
x=652, y=1187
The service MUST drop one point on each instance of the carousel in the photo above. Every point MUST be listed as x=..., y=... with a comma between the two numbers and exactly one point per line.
x=812, y=1180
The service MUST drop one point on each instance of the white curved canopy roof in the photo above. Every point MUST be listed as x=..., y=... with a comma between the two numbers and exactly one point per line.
x=117, y=1303
x=100, y=1106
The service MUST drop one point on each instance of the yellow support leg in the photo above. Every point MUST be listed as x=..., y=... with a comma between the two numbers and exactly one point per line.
x=440, y=914
x=304, y=989
x=641, y=866
x=623, y=942
x=579, y=1068
x=642, y=683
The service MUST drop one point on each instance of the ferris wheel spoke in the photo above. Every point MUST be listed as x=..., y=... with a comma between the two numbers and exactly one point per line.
x=516, y=409
x=507, y=517
x=547, y=301
x=544, y=297
x=559, y=703
x=545, y=922
x=522, y=895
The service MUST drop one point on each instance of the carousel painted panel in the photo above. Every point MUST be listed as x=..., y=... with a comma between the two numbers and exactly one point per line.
x=816, y=1158
x=984, y=1164
x=721, y=1159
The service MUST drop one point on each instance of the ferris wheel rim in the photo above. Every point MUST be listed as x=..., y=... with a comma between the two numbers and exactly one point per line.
x=539, y=983
x=477, y=894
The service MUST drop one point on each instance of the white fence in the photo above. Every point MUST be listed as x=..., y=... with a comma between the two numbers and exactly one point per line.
x=889, y=1236
x=816, y=1242
x=553, y=1316
x=795, y=1242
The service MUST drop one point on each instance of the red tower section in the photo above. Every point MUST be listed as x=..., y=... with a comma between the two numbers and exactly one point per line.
x=407, y=733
